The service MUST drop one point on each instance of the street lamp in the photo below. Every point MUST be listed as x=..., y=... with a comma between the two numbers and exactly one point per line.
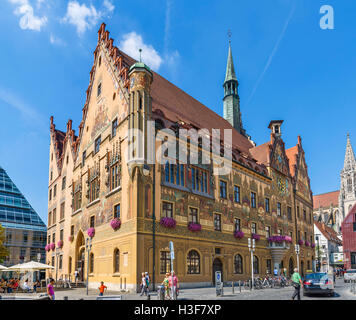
x=57, y=254
x=38, y=260
x=297, y=250
x=88, y=248
x=251, y=248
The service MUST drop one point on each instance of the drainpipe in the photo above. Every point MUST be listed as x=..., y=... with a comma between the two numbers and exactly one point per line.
x=154, y=228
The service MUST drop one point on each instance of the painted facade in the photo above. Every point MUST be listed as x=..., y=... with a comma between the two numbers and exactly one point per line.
x=132, y=210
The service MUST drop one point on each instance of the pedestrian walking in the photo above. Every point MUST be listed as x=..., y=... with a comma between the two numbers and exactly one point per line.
x=173, y=280
x=143, y=284
x=50, y=289
x=76, y=276
x=275, y=271
x=165, y=283
x=148, y=281
x=297, y=283
x=102, y=288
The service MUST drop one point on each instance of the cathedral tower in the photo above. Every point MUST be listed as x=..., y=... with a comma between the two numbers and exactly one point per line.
x=347, y=196
x=231, y=98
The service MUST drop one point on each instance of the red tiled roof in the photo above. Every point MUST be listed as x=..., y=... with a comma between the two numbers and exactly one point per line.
x=329, y=233
x=261, y=153
x=292, y=156
x=326, y=199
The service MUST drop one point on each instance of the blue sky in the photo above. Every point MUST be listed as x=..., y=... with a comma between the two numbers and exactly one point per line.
x=287, y=66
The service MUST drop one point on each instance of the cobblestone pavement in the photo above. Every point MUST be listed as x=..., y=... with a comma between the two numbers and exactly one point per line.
x=342, y=292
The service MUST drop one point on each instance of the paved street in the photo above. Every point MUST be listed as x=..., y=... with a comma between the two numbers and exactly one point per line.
x=342, y=292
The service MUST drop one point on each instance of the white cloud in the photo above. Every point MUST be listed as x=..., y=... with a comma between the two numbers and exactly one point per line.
x=85, y=17
x=108, y=5
x=56, y=41
x=28, y=20
x=132, y=42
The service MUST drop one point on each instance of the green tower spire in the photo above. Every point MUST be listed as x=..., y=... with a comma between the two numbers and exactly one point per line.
x=231, y=97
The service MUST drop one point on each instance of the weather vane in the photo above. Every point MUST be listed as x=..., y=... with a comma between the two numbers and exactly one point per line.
x=140, y=50
x=229, y=34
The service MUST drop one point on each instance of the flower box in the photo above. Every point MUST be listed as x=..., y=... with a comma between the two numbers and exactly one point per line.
x=280, y=239
x=91, y=232
x=256, y=236
x=60, y=244
x=52, y=246
x=168, y=222
x=115, y=223
x=194, y=227
x=47, y=247
x=313, y=245
x=300, y=242
x=239, y=234
x=307, y=243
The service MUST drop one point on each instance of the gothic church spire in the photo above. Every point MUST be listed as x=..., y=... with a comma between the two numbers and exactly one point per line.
x=349, y=162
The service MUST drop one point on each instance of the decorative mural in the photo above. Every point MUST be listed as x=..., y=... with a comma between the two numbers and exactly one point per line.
x=101, y=119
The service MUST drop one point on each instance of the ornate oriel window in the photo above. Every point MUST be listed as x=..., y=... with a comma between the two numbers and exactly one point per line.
x=117, y=211
x=267, y=205
x=113, y=167
x=237, y=194
x=93, y=182
x=199, y=180
x=253, y=200
x=193, y=215
x=223, y=189
x=116, y=261
x=193, y=262
x=175, y=174
x=238, y=266
x=165, y=262
x=167, y=209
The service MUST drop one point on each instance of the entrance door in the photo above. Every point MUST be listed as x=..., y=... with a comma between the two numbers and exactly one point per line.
x=81, y=265
x=217, y=266
x=353, y=260
x=291, y=267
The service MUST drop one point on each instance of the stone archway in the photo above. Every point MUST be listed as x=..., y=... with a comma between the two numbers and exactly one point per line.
x=80, y=255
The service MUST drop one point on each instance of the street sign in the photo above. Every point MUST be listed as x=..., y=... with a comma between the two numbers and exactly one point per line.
x=172, y=255
x=171, y=247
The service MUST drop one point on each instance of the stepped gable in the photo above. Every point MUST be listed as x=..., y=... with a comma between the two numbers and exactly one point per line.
x=292, y=154
x=172, y=104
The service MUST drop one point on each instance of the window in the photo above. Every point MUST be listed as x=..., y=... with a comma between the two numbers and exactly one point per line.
x=116, y=261
x=305, y=236
x=289, y=212
x=217, y=222
x=298, y=211
x=54, y=237
x=167, y=209
x=92, y=222
x=299, y=235
x=61, y=234
x=253, y=227
x=267, y=204
x=72, y=230
x=50, y=195
x=237, y=194
x=117, y=211
x=54, y=215
x=269, y=266
x=279, y=209
x=49, y=239
x=61, y=214
x=237, y=224
x=99, y=89
x=49, y=218
x=238, y=267
x=279, y=232
x=255, y=265
x=304, y=215
x=67, y=159
x=97, y=144
x=53, y=261
x=165, y=262
x=94, y=188
x=199, y=180
x=64, y=183
x=25, y=237
x=51, y=175
x=253, y=200
x=354, y=226
x=54, y=191
x=83, y=158
x=175, y=174
x=91, y=263
x=77, y=200
x=113, y=128
x=193, y=262
x=193, y=215
x=223, y=191
x=115, y=180
x=268, y=232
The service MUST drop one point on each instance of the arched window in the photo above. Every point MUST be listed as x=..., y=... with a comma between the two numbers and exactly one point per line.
x=91, y=263
x=238, y=264
x=349, y=185
x=193, y=262
x=255, y=265
x=166, y=172
x=116, y=261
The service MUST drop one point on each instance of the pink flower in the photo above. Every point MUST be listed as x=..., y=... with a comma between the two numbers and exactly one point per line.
x=239, y=234
x=115, y=223
x=256, y=236
x=91, y=232
x=60, y=244
x=47, y=247
x=307, y=243
x=52, y=246
x=300, y=242
x=194, y=227
x=313, y=245
x=168, y=222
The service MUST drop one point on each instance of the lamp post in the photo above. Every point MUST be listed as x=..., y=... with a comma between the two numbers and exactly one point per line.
x=38, y=260
x=251, y=248
x=57, y=254
x=297, y=250
x=88, y=248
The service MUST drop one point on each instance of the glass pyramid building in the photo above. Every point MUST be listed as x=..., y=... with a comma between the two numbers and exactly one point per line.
x=25, y=231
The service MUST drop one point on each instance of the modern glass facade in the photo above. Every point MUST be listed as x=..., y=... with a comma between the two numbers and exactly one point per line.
x=25, y=231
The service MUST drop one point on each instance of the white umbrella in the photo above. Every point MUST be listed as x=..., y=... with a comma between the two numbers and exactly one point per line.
x=3, y=268
x=32, y=265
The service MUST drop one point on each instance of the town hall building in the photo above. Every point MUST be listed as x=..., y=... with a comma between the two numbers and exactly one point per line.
x=112, y=213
